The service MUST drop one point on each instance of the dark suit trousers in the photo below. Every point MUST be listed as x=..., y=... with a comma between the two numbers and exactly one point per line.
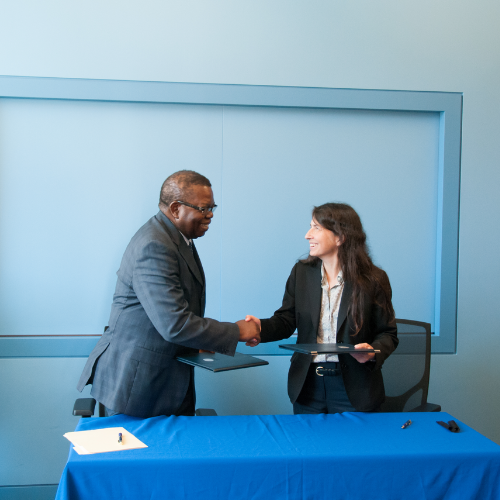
x=322, y=394
x=185, y=410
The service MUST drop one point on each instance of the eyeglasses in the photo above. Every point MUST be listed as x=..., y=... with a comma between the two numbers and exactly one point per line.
x=203, y=210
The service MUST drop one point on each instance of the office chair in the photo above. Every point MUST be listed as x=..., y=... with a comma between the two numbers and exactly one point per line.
x=84, y=407
x=406, y=371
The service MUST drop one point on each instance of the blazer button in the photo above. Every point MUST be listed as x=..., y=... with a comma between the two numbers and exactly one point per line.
x=344, y=366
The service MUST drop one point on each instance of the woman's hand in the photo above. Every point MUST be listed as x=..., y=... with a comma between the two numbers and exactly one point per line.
x=253, y=342
x=363, y=357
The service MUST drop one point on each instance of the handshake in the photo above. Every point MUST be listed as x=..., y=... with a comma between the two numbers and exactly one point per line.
x=249, y=330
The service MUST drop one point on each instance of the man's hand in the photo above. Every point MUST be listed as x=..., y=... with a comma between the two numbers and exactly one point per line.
x=363, y=357
x=249, y=331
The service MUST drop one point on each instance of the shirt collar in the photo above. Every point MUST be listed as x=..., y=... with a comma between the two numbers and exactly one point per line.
x=188, y=242
x=324, y=280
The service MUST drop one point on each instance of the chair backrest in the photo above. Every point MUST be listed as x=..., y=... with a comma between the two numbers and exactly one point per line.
x=406, y=370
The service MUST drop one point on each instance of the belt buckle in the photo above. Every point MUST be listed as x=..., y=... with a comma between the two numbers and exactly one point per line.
x=319, y=374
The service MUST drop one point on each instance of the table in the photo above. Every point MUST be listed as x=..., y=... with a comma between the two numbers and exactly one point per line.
x=345, y=456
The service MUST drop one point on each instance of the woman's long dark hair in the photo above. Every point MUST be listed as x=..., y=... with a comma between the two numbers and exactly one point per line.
x=355, y=261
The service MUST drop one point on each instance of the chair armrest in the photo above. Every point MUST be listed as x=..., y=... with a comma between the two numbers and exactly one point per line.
x=205, y=412
x=84, y=407
x=427, y=407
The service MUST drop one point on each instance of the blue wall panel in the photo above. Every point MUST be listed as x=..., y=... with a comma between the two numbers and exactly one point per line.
x=91, y=174
x=279, y=163
x=77, y=179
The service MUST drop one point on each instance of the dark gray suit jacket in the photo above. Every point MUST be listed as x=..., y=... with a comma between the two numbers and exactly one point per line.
x=157, y=314
x=301, y=310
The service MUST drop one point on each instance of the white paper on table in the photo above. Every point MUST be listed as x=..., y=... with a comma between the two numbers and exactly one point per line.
x=103, y=440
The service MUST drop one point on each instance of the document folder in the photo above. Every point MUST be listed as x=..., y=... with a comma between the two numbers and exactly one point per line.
x=220, y=362
x=325, y=348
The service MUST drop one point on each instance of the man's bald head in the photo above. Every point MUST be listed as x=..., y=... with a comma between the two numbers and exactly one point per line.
x=179, y=185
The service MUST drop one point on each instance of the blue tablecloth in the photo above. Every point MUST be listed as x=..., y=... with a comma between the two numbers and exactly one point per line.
x=344, y=456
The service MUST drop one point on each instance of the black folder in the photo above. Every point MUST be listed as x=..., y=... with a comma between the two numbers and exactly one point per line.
x=325, y=348
x=220, y=362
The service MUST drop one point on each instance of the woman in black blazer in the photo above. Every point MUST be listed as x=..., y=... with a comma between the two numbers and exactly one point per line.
x=336, y=295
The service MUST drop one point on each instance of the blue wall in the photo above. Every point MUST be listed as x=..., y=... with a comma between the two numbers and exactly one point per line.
x=429, y=46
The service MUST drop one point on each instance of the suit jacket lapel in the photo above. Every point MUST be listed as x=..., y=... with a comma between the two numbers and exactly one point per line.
x=184, y=250
x=198, y=263
x=314, y=291
x=200, y=268
x=188, y=256
x=345, y=302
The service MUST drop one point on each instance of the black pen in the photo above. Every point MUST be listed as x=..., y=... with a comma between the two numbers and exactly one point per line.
x=406, y=424
x=120, y=438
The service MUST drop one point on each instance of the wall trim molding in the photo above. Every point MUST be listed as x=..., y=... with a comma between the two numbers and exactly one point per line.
x=38, y=346
x=31, y=491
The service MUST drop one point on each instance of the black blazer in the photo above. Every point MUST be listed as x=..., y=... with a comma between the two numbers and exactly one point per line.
x=301, y=310
x=157, y=313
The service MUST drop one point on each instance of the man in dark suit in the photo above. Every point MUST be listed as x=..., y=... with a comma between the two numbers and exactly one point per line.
x=157, y=311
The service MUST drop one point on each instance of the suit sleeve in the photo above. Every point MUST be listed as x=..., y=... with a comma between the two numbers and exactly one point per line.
x=157, y=283
x=384, y=329
x=283, y=323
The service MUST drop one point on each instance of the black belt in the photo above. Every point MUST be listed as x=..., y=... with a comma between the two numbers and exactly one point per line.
x=324, y=371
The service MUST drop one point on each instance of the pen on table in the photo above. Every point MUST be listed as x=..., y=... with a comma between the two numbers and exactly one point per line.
x=120, y=438
x=406, y=424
